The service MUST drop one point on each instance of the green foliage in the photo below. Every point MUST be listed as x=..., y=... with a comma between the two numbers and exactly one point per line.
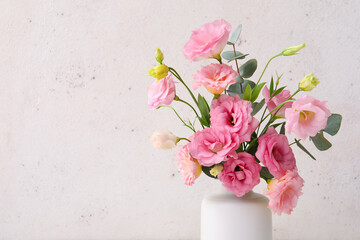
x=231, y=55
x=282, y=129
x=333, y=124
x=255, y=92
x=265, y=174
x=304, y=149
x=247, y=69
x=256, y=106
x=204, y=110
x=321, y=142
x=247, y=93
x=234, y=89
x=235, y=36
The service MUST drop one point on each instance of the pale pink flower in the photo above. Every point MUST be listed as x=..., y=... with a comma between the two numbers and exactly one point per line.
x=275, y=153
x=213, y=145
x=306, y=117
x=164, y=139
x=208, y=41
x=161, y=92
x=284, y=192
x=188, y=166
x=240, y=174
x=234, y=114
x=214, y=77
x=277, y=100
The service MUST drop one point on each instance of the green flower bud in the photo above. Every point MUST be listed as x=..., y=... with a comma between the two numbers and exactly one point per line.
x=292, y=50
x=309, y=82
x=159, y=56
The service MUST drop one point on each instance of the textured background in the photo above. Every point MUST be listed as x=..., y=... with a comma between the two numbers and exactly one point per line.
x=75, y=156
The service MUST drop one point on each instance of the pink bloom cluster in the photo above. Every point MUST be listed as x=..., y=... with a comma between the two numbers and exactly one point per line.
x=225, y=146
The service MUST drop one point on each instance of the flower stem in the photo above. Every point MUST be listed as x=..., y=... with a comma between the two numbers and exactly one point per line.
x=192, y=129
x=184, y=139
x=173, y=71
x=183, y=101
x=267, y=66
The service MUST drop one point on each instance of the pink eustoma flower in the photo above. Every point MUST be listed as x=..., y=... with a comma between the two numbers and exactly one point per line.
x=161, y=92
x=240, y=174
x=306, y=117
x=188, y=166
x=208, y=41
x=275, y=153
x=214, y=77
x=213, y=145
x=284, y=192
x=234, y=114
x=277, y=100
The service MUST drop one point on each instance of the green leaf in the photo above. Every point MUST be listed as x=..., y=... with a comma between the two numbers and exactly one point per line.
x=239, y=79
x=204, y=110
x=276, y=125
x=247, y=94
x=304, y=149
x=333, y=124
x=277, y=92
x=265, y=174
x=271, y=86
x=230, y=55
x=235, y=36
x=256, y=91
x=234, y=89
x=282, y=129
x=256, y=106
x=247, y=69
x=321, y=142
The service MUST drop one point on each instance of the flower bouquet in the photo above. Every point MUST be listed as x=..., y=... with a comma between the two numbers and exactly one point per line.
x=229, y=143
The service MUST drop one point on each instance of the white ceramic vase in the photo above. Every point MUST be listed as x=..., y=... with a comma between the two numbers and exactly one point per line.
x=227, y=217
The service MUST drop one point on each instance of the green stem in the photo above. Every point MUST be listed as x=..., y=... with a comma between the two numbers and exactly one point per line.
x=178, y=116
x=261, y=120
x=173, y=71
x=184, y=139
x=183, y=101
x=267, y=66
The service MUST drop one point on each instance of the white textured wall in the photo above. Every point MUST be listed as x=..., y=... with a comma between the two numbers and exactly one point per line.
x=75, y=159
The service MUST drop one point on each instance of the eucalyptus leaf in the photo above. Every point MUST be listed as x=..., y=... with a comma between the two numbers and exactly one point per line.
x=234, y=89
x=247, y=69
x=230, y=55
x=239, y=79
x=321, y=142
x=265, y=174
x=204, y=110
x=256, y=91
x=304, y=149
x=256, y=106
x=247, y=94
x=235, y=36
x=333, y=124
